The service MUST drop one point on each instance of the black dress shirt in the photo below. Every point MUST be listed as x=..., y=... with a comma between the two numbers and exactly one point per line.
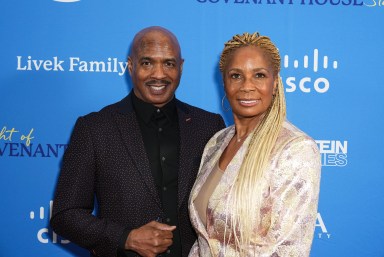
x=160, y=132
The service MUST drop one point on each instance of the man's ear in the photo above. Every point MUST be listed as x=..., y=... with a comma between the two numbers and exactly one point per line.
x=181, y=65
x=130, y=65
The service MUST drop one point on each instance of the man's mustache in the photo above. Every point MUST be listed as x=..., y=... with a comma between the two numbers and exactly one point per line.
x=155, y=82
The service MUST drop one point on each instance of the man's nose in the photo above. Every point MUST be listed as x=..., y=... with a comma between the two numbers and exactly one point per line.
x=158, y=72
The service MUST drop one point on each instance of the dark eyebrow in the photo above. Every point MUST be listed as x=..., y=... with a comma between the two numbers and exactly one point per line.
x=234, y=69
x=261, y=69
x=145, y=58
x=170, y=60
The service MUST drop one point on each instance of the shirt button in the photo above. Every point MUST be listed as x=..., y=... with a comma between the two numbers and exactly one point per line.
x=158, y=110
x=168, y=220
x=160, y=129
x=168, y=251
x=163, y=158
x=164, y=188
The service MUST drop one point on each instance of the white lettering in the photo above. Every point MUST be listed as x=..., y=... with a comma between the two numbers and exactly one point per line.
x=40, y=235
x=43, y=235
x=332, y=159
x=290, y=83
x=47, y=65
x=305, y=85
x=123, y=67
x=326, y=85
x=109, y=69
x=37, y=65
x=73, y=61
x=19, y=64
x=57, y=65
x=114, y=64
x=332, y=146
x=342, y=147
x=97, y=66
x=326, y=146
x=301, y=84
x=83, y=66
x=75, y=64
x=320, y=235
x=320, y=223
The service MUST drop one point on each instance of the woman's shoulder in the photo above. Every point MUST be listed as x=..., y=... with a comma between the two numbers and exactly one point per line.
x=220, y=136
x=290, y=134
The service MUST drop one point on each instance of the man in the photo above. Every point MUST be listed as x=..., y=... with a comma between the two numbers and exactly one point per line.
x=135, y=162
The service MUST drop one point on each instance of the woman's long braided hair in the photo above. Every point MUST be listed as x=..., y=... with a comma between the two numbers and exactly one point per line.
x=246, y=192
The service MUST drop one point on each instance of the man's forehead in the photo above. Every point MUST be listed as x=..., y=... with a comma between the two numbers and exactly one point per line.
x=155, y=39
x=149, y=48
x=155, y=43
x=155, y=33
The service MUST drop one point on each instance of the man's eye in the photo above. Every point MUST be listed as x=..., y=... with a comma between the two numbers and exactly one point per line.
x=235, y=76
x=145, y=63
x=170, y=64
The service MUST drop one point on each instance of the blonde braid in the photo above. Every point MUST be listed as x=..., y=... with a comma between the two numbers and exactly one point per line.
x=247, y=190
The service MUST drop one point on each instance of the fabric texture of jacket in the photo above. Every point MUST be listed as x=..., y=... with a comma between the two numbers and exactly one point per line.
x=290, y=187
x=105, y=165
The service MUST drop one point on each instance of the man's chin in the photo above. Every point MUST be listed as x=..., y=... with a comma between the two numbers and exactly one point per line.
x=160, y=100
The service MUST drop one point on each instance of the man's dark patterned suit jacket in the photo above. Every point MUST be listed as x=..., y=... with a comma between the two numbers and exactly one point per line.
x=106, y=165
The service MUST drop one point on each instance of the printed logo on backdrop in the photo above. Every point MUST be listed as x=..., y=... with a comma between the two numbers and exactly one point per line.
x=45, y=235
x=66, y=1
x=356, y=3
x=321, y=230
x=17, y=143
x=374, y=3
x=314, y=69
x=343, y=3
x=71, y=64
x=334, y=153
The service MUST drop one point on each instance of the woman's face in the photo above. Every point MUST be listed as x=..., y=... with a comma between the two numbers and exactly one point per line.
x=249, y=82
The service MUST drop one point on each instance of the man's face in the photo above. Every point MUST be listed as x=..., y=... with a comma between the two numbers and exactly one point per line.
x=155, y=67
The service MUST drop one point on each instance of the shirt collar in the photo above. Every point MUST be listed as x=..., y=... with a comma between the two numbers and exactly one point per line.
x=146, y=110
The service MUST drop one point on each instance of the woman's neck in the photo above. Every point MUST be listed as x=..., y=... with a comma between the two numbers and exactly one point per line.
x=245, y=126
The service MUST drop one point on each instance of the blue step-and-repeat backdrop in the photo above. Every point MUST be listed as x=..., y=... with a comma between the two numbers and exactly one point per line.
x=63, y=59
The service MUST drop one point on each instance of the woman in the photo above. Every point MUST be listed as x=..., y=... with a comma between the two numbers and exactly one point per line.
x=257, y=189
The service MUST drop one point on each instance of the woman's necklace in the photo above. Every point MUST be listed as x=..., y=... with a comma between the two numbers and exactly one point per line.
x=239, y=139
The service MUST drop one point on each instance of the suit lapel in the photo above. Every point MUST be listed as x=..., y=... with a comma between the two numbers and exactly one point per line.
x=187, y=166
x=129, y=129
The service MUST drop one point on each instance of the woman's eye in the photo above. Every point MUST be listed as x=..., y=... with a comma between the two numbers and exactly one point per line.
x=260, y=75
